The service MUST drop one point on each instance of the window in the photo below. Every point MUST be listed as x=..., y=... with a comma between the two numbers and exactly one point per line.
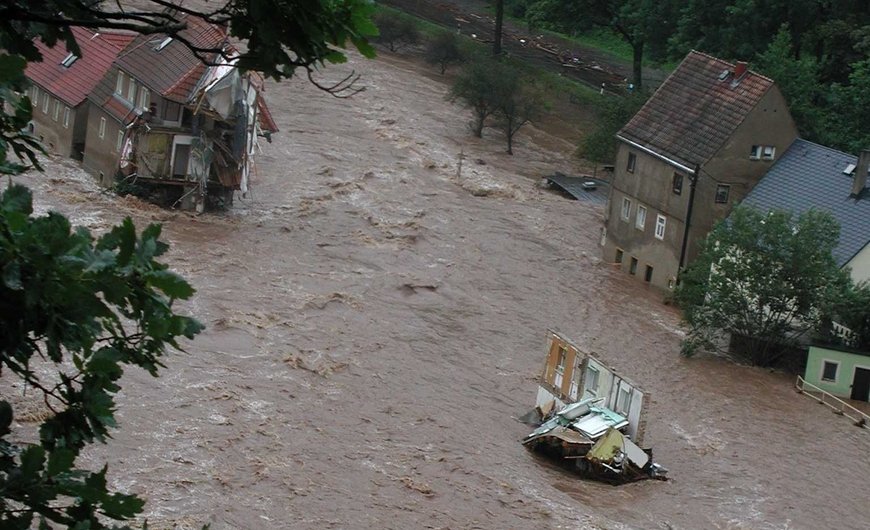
x=102, y=130
x=66, y=117
x=68, y=60
x=768, y=152
x=632, y=269
x=120, y=141
x=34, y=97
x=119, y=84
x=722, y=192
x=131, y=91
x=619, y=255
x=592, y=380
x=171, y=111
x=660, y=226
x=143, y=98
x=829, y=371
x=647, y=275
x=626, y=208
x=632, y=161
x=755, y=152
x=678, y=183
x=56, y=110
x=640, y=221
x=45, y=100
x=623, y=402
x=164, y=43
x=560, y=367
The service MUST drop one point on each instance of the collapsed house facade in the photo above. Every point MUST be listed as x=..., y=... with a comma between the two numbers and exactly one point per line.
x=592, y=418
x=184, y=128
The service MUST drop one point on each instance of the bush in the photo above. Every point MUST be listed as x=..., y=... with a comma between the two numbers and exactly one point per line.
x=444, y=50
x=396, y=30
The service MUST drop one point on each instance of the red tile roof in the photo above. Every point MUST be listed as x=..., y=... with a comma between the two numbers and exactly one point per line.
x=73, y=84
x=694, y=112
x=174, y=70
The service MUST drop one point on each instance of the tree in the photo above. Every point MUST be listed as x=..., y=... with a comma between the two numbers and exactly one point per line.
x=444, y=50
x=852, y=310
x=765, y=277
x=87, y=308
x=518, y=108
x=396, y=30
x=601, y=144
x=499, y=22
x=483, y=85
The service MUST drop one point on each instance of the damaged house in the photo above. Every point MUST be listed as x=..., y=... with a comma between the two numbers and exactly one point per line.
x=180, y=130
x=591, y=418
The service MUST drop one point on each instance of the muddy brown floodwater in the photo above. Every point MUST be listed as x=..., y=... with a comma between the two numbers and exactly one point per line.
x=375, y=323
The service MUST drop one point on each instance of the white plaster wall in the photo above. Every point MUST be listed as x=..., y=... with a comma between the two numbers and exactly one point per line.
x=860, y=265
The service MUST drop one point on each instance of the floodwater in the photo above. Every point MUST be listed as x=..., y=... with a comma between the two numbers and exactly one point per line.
x=376, y=322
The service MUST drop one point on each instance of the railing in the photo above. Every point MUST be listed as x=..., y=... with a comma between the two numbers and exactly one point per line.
x=836, y=404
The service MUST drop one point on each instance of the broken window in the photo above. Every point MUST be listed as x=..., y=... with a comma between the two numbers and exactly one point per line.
x=171, y=111
x=619, y=254
x=829, y=371
x=592, y=380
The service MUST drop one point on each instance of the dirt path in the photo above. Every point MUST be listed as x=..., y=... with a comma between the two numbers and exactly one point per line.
x=375, y=324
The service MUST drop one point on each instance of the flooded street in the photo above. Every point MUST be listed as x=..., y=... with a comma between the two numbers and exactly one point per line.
x=375, y=323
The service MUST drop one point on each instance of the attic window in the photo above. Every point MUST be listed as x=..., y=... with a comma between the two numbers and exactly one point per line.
x=69, y=60
x=164, y=43
x=849, y=169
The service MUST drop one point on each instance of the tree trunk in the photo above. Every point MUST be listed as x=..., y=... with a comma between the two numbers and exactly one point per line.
x=477, y=129
x=637, y=64
x=509, y=132
x=499, y=16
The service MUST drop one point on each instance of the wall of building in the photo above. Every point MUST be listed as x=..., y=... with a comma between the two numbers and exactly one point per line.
x=860, y=265
x=649, y=186
x=49, y=125
x=841, y=386
x=768, y=124
x=101, y=153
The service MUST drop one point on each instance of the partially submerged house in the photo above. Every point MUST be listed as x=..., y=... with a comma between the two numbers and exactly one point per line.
x=840, y=371
x=593, y=418
x=693, y=151
x=811, y=176
x=571, y=375
x=183, y=126
x=60, y=85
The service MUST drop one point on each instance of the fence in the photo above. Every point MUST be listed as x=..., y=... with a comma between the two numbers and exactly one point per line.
x=836, y=404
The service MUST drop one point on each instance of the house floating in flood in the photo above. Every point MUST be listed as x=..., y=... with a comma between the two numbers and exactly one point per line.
x=593, y=418
x=177, y=127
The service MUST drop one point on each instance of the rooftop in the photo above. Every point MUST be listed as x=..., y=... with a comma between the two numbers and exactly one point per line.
x=72, y=83
x=696, y=109
x=808, y=176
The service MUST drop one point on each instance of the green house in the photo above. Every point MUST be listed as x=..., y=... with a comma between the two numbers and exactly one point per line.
x=842, y=372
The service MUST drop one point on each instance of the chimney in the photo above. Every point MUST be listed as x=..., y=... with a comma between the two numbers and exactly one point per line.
x=740, y=70
x=860, y=179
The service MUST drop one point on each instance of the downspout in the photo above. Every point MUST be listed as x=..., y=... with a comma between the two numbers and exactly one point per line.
x=693, y=181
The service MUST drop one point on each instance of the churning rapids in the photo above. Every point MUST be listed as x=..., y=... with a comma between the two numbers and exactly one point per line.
x=376, y=322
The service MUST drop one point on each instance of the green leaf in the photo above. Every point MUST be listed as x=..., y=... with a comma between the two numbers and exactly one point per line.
x=32, y=460
x=173, y=285
x=60, y=461
x=12, y=276
x=16, y=198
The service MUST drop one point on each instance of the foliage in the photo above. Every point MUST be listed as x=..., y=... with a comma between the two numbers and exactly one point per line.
x=764, y=276
x=279, y=36
x=847, y=116
x=852, y=310
x=517, y=108
x=601, y=145
x=87, y=308
x=443, y=49
x=13, y=121
x=396, y=30
x=483, y=85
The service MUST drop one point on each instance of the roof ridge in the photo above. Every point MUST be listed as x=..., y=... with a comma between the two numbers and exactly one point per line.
x=825, y=147
x=748, y=70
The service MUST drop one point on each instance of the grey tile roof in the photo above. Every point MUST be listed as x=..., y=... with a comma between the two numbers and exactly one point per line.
x=810, y=176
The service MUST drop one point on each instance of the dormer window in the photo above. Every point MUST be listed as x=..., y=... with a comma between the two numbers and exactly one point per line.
x=164, y=43
x=69, y=60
